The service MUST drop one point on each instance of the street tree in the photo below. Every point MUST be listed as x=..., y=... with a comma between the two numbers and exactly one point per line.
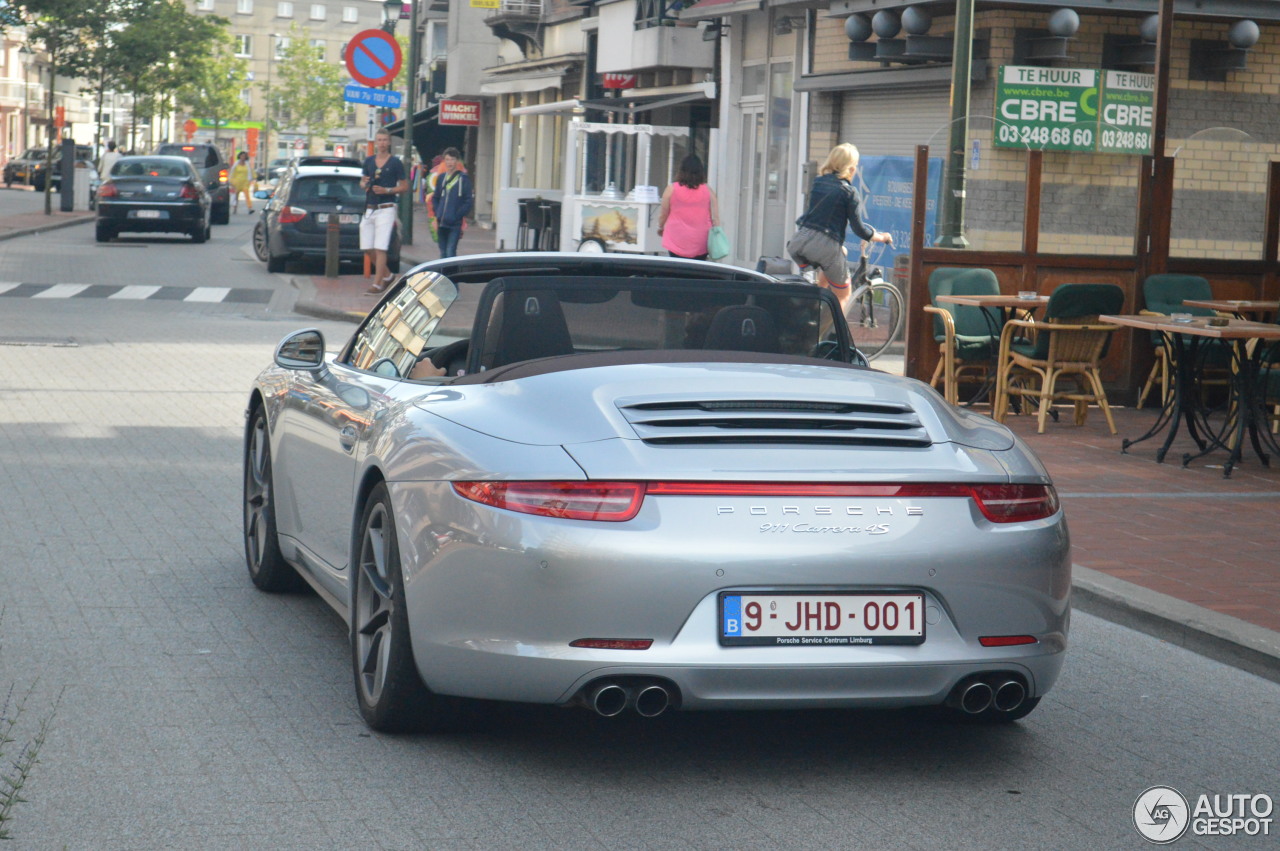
x=212, y=89
x=310, y=90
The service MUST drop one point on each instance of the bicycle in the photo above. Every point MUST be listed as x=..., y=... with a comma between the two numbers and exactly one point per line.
x=874, y=310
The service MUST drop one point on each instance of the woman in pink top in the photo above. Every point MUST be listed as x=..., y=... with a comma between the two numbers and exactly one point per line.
x=689, y=210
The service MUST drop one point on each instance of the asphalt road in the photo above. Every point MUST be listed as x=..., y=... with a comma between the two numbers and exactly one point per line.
x=196, y=712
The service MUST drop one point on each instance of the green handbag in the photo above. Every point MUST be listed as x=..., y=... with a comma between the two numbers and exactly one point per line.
x=717, y=243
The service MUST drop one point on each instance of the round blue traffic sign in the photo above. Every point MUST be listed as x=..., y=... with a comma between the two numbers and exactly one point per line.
x=373, y=58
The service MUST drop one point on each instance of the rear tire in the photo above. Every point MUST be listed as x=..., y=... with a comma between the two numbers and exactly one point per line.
x=875, y=319
x=392, y=697
x=200, y=233
x=221, y=213
x=104, y=233
x=260, y=239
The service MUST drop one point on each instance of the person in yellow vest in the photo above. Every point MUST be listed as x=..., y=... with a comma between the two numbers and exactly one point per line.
x=241, y=180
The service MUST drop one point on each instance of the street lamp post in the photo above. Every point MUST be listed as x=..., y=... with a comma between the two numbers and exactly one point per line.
x=266, y=137
x=27, y=56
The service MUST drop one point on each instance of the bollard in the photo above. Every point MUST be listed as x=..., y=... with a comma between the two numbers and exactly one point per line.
x=332, y=236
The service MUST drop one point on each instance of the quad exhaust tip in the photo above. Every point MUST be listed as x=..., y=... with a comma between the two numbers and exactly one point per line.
x=609, y=698
x=976, y=695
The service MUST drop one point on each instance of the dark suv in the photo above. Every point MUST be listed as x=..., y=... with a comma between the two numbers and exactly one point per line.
x=297, y=217
x=213, y=171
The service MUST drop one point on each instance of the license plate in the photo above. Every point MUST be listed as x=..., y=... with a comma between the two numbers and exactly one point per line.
x=343, y=218
x=149, y=214
x=820, y=620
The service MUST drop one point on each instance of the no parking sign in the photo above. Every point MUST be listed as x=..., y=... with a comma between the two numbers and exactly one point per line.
x=373, y=58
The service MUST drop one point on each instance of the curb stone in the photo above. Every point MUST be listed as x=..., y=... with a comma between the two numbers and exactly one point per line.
x=53, y=225
x=1220, y=637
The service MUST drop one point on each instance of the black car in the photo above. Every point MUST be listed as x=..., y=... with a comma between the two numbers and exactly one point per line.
x=214, y=171
x=22, y=169
x=154, y=194
x=297, y=217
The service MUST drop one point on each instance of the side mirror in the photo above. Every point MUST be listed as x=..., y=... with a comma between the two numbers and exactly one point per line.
x=302, y=350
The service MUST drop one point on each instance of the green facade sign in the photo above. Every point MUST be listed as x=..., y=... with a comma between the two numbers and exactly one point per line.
x=1048, y=109
x=1124, y=113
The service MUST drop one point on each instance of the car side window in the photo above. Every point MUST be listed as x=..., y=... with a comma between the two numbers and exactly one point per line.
x=399, y=328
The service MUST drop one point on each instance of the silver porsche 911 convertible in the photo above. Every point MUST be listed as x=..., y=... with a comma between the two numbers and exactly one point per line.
x=640, y=484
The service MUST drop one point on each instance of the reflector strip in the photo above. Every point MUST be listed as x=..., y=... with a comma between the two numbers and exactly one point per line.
x=613, y=643
x=1006, y=640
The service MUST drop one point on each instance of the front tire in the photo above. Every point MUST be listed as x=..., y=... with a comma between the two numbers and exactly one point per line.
x=392, y=697
x=267, y=567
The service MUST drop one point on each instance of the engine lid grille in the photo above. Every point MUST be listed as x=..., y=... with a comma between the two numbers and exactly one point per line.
x=772, y=421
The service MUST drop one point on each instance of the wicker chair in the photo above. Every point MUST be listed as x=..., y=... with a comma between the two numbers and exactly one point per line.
x=1060, y=350
x=965, y=342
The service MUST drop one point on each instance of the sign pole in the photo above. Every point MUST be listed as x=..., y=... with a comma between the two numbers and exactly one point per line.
x=406, y=200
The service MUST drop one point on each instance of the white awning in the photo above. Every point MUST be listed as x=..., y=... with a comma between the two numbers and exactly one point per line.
x=543, y=108
x=521, y=84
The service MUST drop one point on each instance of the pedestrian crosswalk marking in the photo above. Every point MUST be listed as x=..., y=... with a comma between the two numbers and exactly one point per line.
x=211, y=294
x=135, y=291
x=138, y=292
x=62, y=291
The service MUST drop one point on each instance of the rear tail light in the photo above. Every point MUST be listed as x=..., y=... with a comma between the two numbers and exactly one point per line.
x=222, y=176
x=188, y=191
x=617, y=501
x=611, y=501
x=108, y=190
x=292, y=215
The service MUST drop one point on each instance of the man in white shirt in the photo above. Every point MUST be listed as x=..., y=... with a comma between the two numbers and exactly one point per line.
x=109, y=157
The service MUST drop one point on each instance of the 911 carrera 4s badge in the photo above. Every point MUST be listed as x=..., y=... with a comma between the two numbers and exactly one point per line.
x=819, y=528
x=835, y=619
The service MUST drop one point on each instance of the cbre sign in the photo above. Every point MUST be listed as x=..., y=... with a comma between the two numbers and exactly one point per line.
x=1074, y=109
x=1048, y=109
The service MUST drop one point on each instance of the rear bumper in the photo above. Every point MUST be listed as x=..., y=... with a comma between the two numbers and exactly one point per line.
x=178, y=217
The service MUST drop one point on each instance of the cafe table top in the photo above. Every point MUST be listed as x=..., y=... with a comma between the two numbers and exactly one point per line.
x=1245, y=307
x=1235, y=329
x=1004, y=301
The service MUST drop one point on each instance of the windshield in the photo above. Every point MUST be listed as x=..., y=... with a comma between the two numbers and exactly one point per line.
x=35, y=154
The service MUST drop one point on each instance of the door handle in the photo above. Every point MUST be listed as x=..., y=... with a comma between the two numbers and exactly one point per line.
x=347, y=437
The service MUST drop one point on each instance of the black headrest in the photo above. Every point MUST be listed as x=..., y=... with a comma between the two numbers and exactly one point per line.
x=743, y=328
x=533, y=326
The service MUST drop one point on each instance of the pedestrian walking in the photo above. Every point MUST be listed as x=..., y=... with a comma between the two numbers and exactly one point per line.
x=451, y=203
x=241, y=180
x=109, y=157
x=834, y=204
x=384, y=179
x=688, y=212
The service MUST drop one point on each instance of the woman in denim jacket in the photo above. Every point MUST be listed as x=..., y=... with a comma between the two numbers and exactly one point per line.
x=833, y=205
